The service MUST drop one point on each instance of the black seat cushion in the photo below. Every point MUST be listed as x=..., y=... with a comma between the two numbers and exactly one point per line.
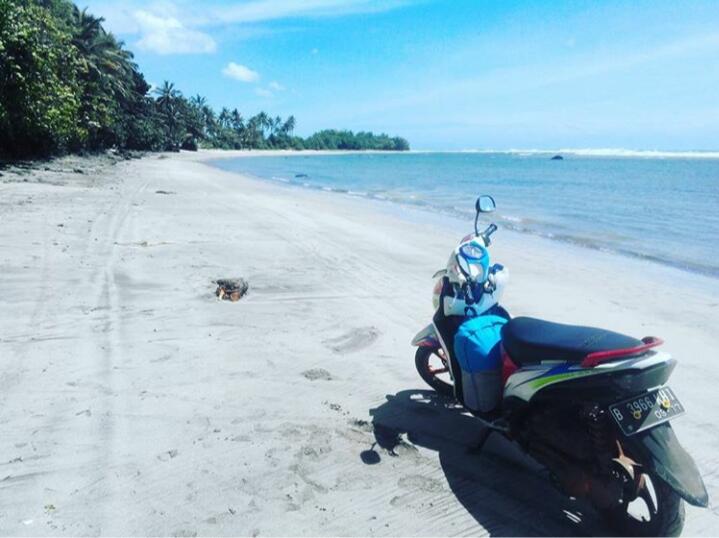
x=530, y=340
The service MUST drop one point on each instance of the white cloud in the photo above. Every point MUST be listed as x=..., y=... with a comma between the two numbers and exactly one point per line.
x=122, y=16
x=262, y=92
x=265, y=10
x=174, y=26
x=167, y=35
x=276, y=86
x=240, y=72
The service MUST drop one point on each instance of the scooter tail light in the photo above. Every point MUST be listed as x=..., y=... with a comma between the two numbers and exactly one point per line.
x=598, y=357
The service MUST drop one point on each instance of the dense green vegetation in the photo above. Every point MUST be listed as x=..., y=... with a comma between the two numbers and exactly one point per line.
x=331, y=139
x=67, y=85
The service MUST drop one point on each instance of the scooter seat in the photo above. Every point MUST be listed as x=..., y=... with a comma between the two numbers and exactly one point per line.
x=530, y=340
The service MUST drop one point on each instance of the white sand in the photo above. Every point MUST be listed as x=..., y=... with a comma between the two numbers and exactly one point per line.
x=133, y=402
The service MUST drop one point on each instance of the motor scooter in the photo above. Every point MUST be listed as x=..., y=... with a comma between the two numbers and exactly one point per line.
x=591, y=405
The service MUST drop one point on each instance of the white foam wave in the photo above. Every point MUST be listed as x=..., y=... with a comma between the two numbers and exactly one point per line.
x=604, y=152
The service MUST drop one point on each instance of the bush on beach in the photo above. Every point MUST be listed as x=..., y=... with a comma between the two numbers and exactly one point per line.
x=68, y=85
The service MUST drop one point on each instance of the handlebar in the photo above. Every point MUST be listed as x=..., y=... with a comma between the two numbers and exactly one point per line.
x=486, y=234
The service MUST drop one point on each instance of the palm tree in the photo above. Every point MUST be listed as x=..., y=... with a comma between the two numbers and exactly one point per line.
x=103, y=58
x=236, y=121
x=210, y=121
x=203, y=114
x=87, y=29
x=276, y=124
x=198, y=101
x=167, y=95
x=107, y=77
x=263, y=122
x=224, y=118
x=254, y=131
x=289, y=126
x=168, y=99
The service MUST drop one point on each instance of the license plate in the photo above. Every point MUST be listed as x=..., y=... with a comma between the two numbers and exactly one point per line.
x=646, y=411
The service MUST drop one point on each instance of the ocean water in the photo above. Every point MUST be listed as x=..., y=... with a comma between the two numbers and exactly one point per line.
x=655, y=206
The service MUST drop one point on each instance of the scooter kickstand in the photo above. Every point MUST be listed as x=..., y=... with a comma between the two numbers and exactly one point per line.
x=477, y=447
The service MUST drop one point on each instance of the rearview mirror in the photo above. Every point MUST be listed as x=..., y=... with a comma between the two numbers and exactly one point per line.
x=485, y=204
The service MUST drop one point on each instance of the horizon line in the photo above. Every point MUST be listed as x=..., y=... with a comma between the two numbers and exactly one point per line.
x=586, y=152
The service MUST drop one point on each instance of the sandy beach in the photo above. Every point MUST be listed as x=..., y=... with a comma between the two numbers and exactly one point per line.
x=134, y=402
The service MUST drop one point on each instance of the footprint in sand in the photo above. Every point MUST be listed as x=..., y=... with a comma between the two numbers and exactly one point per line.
x=168, y=455
x=317, y=373
x=353, y=340
x=421, y=483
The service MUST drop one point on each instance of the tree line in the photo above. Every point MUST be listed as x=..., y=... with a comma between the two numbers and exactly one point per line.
x=68, y=85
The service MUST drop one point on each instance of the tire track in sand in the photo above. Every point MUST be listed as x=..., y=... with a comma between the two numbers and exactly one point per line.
x=107, y=433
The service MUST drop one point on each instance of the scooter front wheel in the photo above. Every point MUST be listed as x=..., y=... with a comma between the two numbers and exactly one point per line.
x=433, y=368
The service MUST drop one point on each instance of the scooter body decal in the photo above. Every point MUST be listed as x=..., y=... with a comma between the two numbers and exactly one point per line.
x=526, y=382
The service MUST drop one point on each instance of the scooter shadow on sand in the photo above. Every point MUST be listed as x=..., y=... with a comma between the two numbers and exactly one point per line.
x=506, y=492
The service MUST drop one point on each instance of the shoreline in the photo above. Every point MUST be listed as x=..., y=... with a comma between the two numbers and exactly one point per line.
x=136, y=403
x=641, y=275
x=575, y=152
x=505, y=224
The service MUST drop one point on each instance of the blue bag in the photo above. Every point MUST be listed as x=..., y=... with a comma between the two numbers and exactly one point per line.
x=477, y=349
x=476, y=343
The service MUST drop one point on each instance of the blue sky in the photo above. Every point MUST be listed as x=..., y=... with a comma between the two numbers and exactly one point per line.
x=449, y=74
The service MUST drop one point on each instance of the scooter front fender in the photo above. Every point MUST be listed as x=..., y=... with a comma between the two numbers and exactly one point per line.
x=663, y=454
x=427, y=337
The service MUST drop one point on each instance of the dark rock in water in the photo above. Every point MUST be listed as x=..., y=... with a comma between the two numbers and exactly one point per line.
x=557, y=158
x=164, y=192
x=78, y=170
x=231, y=289
x=301, y=175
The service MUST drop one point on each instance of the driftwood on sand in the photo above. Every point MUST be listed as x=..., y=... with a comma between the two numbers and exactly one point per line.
x=231, y=289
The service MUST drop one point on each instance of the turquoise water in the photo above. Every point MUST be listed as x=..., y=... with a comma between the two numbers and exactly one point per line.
x=662, y=209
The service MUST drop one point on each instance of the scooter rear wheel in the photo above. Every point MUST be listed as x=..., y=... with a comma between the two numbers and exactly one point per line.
x=433, y=368
x=660, y=511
